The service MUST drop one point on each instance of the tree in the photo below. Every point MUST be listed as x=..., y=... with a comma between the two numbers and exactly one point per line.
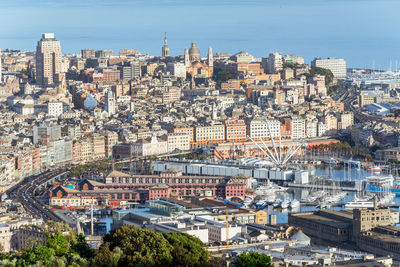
x=82, y=248
x=59, y=243
x=321, y=71
x=37, y=254
x=221, y=76
x=187, y=250
x=253, y=259
x=107, y=258
x=141, y=247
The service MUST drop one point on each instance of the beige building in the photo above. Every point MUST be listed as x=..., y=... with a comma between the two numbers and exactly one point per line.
x=111, y=139
x=98, y=145
x=214, y=133
x=331, y=124
x=48, y=60
x=346, y=121
x=149, y=147
x=179, y=141
x=9, y=230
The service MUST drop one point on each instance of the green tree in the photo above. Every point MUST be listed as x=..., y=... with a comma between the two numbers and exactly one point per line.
x=321, y=71
x=82, y=248
x=141, y=247
x=187, y=250
x=59, y=243
x=221, y=76
x=252, y=259
x=107, y=258
x=37, y=254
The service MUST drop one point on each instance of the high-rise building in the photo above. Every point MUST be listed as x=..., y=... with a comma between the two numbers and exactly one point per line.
x=194, y=52
x=48, y=60
x=273, y=63
x=88, y=53
x=336, y=65
x=165, y=48
x=104, y=53
x=110, y=103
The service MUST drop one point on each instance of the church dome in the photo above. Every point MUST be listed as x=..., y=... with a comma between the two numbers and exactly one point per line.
x=194, y=52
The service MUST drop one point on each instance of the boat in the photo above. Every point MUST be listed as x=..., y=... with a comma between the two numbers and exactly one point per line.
x=359, y=204
x=294, y=204
x=374, y=169
x=260, y=204
x=285, y=204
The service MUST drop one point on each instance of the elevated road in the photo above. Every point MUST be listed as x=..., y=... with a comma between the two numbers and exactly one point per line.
x=24, y=192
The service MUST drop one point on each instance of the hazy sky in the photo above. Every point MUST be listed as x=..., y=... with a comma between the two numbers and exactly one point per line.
x=361, y=31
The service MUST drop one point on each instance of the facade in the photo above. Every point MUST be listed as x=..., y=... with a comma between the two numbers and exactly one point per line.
x=337, y=66
x=55, y=109
x=259, y=130
x=274, y=63
x=235, y=130
x=110, y=103
x=48, y=60
x=178, y=141
x=88, y=53
x=298, y=128
x=150, y=146
x=214, y=133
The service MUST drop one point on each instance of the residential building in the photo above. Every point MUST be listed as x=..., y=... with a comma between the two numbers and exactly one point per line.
x=213, y=133
x=235, y=130
x=48, y=60
x=335, y=65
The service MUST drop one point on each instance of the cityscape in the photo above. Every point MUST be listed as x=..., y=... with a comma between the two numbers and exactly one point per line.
x=197, y=157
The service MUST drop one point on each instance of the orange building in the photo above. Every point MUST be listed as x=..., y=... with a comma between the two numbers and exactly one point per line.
x=199, y=69
x=235, y=130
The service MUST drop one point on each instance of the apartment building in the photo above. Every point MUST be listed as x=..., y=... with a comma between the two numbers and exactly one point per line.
x=235, y=130
x=214, y=133
x=178, y=141
x=298, y=127
x=258, y=129
x=336, y=65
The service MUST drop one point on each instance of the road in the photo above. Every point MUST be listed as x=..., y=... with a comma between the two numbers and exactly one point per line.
x=24, y=192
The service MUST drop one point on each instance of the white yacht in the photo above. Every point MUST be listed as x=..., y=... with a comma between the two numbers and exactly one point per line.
x=294, y=204
x=359, y=204
x=285, y=204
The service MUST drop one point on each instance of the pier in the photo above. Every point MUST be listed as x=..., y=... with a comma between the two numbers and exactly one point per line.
x=322, y=187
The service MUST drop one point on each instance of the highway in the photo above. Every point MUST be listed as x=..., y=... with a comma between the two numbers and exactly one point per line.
x=24, y=192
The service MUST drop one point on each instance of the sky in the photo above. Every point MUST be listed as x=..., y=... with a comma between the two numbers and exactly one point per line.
x=364, y=32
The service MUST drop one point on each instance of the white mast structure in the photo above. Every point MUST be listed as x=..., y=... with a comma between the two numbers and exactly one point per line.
x=276, y=156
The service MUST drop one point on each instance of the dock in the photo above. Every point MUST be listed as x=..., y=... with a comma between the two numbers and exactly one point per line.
x=322, y=187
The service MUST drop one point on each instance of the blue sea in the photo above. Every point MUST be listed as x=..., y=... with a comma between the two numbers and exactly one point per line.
x=364, y=32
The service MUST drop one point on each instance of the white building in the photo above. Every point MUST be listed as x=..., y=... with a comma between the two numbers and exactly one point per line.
x=110, y=103
x=311, y=128
x=179, y=141
x=55, y=109
x=177, y=69
x=274, y=63
x=321, y=128
x=298, y=127
x=336, y=65
x=148, y=147
x=258, y=129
